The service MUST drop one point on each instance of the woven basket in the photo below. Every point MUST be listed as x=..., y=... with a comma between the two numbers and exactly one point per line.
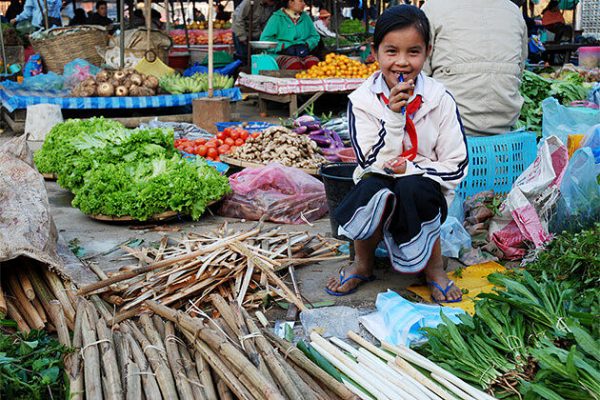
x=66, y=44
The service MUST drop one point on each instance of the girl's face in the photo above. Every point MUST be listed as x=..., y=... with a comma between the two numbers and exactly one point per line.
x=296, y=6
x=402, y=51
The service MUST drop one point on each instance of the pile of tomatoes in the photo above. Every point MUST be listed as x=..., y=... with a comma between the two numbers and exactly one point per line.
x=223, y=143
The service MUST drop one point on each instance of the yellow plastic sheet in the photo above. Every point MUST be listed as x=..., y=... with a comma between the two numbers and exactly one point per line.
x=156, y=68
x=473, y=279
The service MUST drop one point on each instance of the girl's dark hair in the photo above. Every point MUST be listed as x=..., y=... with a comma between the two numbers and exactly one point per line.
x=552, y=4
x=400, y=17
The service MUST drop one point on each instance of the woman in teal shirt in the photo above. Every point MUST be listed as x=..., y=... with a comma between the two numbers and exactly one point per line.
x=293, y=30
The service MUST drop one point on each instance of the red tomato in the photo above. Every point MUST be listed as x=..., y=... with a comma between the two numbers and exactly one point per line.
x=201, y=150
x=211, y=144
x=220, y=142
x=227, y=131
x=217, y=159
x=255, y=134
x=239, y=142
x=229, y=141
x=234, y=135
x=221, y=135
x=244, y=134
x=223, y=149
x=212, y=153
x=200, y=141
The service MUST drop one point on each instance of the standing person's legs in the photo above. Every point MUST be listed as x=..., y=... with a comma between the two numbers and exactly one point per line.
x=241, y=50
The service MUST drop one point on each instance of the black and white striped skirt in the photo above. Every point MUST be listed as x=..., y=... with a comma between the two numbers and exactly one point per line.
x=411, y=208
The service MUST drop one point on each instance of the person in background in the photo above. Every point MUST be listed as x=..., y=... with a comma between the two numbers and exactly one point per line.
x=15, y=8
x=322, y=24
x=198, y=16
x=79, y=18
x=261, y=12
x=293, y=30
x=33, y=12
x=481, y=64
x=221, y=14
x=99, y=17
x=553, y=21
x=411, y=154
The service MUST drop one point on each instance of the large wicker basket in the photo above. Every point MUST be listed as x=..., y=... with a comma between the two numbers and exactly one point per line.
x=63, y=45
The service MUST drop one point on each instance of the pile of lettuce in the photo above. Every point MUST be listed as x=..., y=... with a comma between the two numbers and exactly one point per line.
x=119, y=172
x=535, y=88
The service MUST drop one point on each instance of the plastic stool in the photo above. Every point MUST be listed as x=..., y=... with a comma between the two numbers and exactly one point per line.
x=263, y=62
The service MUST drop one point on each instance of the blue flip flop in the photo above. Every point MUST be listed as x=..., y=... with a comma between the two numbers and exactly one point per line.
x=444, y=292
x=343, y=280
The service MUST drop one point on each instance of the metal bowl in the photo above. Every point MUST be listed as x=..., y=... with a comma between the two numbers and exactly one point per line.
x=262, y=45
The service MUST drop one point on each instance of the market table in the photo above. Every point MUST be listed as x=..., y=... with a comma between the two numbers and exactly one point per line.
x=286, y=90
x=17, y=100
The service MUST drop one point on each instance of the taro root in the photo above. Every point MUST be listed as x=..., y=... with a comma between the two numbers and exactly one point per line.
x=102, y=76
x=106, y=89
x=151, y=82
x=119, y=75
x=121, y=91
x=136, y=79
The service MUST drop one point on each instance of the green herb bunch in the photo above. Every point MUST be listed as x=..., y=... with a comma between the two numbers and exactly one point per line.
x=31, y=367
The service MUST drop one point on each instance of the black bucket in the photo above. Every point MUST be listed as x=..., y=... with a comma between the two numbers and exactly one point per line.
x=337, y=178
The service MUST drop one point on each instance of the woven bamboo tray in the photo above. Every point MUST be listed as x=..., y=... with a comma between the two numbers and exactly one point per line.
x=244, y=164
x=167, y=215
x=66, y=44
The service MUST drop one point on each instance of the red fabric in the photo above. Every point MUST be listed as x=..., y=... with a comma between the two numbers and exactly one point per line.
x=410, y=128
x=296, y=63
x=552, y=17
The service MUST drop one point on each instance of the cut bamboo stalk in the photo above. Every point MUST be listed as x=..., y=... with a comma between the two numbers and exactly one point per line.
x=221, y=369
x=192, y=374
x=59, y=290
x=404, y=391
x=3, y=307
x=27, y=310
x=73, y=364
x=215, y=341
x=71, y=292
x=311, y=368
x=13, y=312
x=134, y=382
x=420, y=361
x=308, y=393
x=165, y=263
x=110, y=366
x=149, y=383
x=320, y=392
x=40, y=310
x=458, y=392
x=223, y=390
x=240, y=247
x=159, y=324
x=204, y=374
x=102, y=307
x=43, y=293
x=422, y=379
x=91, y=360
x=153, y=335
x=157, y=362
x=176, y=363
x=60, y=322
x=122, y=316
x=26, y=285
x=92, y=312
x=275, y=367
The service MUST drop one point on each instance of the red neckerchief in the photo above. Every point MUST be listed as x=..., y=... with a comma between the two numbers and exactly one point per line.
x=411, y=108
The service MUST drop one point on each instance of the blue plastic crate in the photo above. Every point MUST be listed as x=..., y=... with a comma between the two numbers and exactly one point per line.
x=495, y=162
x=253, y=126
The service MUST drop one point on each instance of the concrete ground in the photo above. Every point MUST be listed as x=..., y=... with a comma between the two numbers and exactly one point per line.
x=99, y=241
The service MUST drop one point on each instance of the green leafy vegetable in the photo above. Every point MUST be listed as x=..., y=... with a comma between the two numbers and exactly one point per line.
x=142, y=188
x=30, y=367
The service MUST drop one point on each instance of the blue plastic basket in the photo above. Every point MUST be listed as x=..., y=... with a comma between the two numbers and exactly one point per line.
x=495, y=162
x=253, y=126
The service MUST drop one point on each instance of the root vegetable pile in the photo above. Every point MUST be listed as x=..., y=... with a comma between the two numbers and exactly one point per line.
x=127, y=82
x=279, y=144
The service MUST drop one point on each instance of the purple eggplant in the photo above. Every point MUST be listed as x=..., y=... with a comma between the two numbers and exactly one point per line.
x=300, y=121
x=311, y=126
x=321, y=140
x=301, y=130
x=332, y=157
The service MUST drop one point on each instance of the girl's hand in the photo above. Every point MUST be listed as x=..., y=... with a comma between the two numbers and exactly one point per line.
x=400, y=94
x=396, y=165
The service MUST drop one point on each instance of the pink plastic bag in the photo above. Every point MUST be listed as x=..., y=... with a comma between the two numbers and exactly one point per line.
x=281, y=194
x=524, y=215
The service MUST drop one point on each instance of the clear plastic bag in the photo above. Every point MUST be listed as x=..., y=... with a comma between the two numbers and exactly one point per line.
x=561, y=121
x=579, y=204
x=280, y=194
x=455, y=238
x=78, y=71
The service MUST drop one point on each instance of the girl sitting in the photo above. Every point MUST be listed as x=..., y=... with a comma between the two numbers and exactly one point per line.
x=410, y=145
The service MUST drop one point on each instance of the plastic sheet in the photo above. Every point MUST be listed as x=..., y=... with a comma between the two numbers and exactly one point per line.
x=277, y=193
x=561, y=121
x=455, y=238
x=77, y=71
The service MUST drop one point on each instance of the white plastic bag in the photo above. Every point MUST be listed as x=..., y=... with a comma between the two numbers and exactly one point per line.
x=40, y=119
x=525, y=213
x=455, y=238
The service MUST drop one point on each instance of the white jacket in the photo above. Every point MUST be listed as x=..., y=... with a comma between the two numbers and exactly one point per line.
x=378, y=134
x=479, y=52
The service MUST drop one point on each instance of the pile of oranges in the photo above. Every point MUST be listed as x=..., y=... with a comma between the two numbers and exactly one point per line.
x=338, y=66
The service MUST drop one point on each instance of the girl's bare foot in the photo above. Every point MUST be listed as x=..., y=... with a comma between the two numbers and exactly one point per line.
x=434, y=273
x=343, y=284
